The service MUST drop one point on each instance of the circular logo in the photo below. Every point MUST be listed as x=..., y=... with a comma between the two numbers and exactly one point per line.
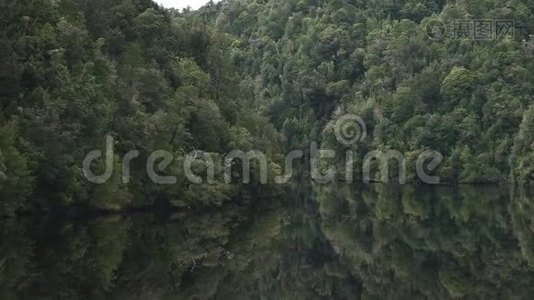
x=350, y=129
x=435, y=30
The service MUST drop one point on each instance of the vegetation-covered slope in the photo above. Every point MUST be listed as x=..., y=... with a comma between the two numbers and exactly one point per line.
x=74, y=71
x=311, y=61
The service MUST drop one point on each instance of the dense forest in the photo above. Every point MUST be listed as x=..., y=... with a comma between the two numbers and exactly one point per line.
x=271, y=75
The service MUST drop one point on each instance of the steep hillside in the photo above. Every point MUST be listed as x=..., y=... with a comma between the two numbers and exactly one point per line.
x=417, y=76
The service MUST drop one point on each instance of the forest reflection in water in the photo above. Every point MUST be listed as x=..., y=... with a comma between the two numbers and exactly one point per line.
x=325, y=242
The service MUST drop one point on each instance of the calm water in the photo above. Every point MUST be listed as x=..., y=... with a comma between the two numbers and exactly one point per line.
x=344, y=243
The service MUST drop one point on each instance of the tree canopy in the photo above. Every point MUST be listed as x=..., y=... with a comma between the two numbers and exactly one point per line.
x=270, y=75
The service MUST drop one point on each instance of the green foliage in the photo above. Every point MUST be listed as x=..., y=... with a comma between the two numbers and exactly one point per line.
x=76, y=71
x=238, y=73
x=15, y=178
x=458, y=84
x=523, y=151
x=452, y=95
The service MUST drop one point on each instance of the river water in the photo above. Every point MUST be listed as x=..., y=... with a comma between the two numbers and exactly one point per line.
x=329, y=242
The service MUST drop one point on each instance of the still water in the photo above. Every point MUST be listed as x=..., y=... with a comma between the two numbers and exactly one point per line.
x=378, y=242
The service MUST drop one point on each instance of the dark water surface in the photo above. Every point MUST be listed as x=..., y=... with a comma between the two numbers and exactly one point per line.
x=340, y=243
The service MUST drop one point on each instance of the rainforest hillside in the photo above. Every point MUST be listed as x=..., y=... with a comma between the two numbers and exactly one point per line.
x=268, y=75
x=421, y=74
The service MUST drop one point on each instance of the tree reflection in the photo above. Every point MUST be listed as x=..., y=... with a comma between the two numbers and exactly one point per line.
x=338, y=242
x=442, y=242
